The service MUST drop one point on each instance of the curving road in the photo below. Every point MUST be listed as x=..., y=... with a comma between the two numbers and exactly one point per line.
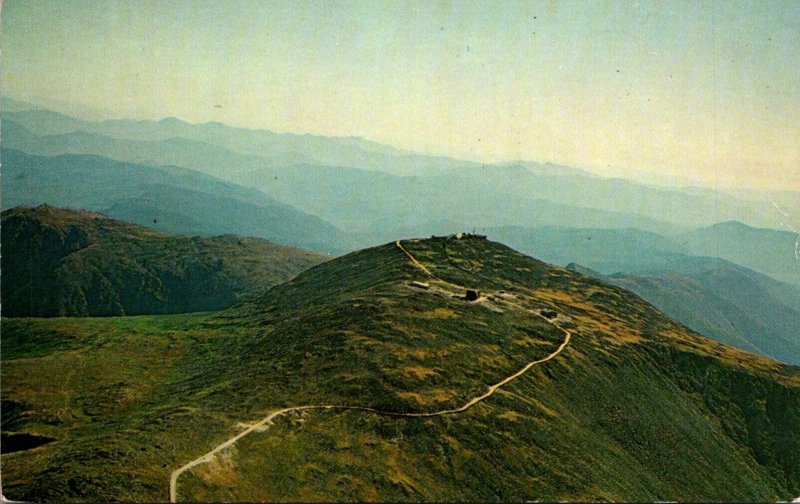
x=264, y=422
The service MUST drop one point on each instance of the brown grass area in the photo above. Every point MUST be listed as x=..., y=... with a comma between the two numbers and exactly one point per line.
x=531, y=342
x=544, y=409
x=403, y=352
x=418, y=372
x=220, y=471
x=510, y=415
x=620, y=334
x=432, y=396
x=396, y=474
x=419, y=353
x=438, y=313
x=732, y=355
x=565, y=298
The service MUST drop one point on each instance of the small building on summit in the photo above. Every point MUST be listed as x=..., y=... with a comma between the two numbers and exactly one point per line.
x=464, y=236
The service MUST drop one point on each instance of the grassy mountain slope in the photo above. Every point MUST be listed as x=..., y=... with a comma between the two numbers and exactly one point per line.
x=59, y=262
x=635, y=408
x=722, y=300
x=168, y=199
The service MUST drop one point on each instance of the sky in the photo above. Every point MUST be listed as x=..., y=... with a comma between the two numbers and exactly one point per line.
x=702, y=93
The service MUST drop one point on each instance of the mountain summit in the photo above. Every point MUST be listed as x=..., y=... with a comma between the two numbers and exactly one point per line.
x=450, y=368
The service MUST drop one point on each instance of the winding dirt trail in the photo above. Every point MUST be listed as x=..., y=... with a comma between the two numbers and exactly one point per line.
x=264, y=423
x=414, y=260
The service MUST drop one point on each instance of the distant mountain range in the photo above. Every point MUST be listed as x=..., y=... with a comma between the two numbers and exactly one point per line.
x=367, y=185
x=169, y=199
x=367, y=201
x=768, y=251
x=776, y=253
x=59, y=262
x=728, y=303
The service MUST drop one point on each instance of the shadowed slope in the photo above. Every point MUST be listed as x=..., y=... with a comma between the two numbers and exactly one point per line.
x=62, y=262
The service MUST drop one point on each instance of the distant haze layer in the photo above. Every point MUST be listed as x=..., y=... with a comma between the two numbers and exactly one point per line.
x=696, y=93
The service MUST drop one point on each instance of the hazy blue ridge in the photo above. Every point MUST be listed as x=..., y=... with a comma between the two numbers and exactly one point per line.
x=735, y=306
x=169, y=199
x=255, y=157
x=769, y=251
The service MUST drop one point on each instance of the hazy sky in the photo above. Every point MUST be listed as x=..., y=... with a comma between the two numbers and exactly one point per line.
x=708, y=92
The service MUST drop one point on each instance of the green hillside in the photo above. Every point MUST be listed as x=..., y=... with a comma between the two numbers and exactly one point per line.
x=631, y=407
x=58, y=262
